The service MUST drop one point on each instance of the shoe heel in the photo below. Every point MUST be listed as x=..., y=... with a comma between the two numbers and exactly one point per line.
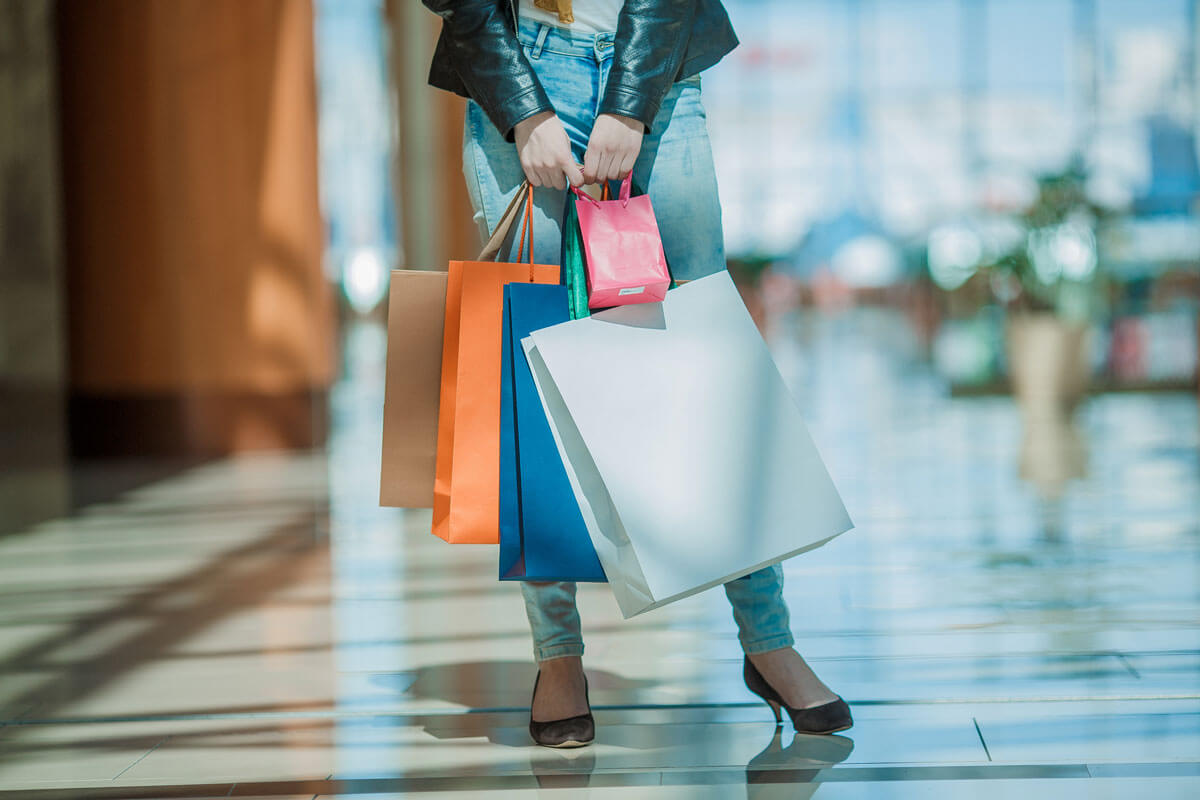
x=775, y=709
x=828, y=718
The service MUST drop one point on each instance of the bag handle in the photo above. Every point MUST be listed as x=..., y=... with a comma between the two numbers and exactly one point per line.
x=523, y=197
x=625, y=192
x=527, y=225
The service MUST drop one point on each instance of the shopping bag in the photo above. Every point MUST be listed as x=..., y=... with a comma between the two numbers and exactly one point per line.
x=625, y=259
x=573, y=271
x=542, y=534
x=413, y=379
x=416, y=310
x=686, y=452
x=466, y=502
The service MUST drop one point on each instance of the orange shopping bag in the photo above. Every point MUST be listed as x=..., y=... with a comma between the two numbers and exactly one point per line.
x=466, y=494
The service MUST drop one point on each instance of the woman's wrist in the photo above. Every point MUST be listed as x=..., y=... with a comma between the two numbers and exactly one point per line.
x=522, y=129
x=545, y=151
x=613, y=148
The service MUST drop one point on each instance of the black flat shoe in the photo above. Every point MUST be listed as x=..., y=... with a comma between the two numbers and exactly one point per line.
x=571, y=732
x=828, y=718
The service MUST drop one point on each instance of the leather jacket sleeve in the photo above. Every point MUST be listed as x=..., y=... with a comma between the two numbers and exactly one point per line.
x=483, y=50
x=652, y=37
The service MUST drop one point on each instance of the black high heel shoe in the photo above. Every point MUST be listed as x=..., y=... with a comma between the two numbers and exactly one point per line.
x=571, y=732
x=828, y=718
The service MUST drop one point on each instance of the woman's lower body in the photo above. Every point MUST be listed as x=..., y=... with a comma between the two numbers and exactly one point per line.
x=675, y=167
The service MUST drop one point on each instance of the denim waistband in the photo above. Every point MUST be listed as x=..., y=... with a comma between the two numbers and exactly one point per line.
x=541, y=38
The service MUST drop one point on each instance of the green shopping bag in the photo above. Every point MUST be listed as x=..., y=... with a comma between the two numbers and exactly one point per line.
x=573, y=271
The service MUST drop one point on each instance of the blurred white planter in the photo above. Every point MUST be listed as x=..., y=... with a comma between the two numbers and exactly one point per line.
x=1049, y=366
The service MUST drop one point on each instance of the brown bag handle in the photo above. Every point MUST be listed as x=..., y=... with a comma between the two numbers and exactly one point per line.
x=527, y=226
x=523, y=196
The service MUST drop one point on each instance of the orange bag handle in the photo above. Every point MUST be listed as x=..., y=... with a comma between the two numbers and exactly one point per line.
x=527, y=224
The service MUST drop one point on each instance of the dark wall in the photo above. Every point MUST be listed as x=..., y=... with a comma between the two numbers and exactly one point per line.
x=32, y=351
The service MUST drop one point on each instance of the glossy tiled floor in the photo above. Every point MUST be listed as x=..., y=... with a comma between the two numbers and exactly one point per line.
x=257, y=627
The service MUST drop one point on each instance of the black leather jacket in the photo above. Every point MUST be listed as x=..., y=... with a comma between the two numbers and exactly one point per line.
x=658, y=42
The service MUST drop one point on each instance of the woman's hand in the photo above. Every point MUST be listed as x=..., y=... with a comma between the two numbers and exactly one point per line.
x=612, y=148
x=545, y=151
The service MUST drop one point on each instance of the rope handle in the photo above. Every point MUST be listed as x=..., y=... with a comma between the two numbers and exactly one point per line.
x=527, y=225
x=623, y=196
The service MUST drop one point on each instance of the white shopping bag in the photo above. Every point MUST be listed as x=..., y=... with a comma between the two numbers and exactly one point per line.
x=684, y=447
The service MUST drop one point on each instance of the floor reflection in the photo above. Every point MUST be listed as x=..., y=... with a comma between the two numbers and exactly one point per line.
x=1014, y=604
x=792, y=771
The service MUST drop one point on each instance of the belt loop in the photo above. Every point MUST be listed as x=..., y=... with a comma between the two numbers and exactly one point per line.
x=540, y=42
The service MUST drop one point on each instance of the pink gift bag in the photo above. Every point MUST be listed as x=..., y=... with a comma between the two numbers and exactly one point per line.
x=624, y=252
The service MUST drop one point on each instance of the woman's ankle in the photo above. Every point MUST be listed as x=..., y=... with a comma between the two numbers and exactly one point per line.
x=561, y=689
x=561, y=665
x=789, y=674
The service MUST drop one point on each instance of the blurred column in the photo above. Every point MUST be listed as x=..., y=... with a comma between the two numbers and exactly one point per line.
x=974, y=47
x=199, y=320
x=1193, y=39
x=32, y=368
x=1086, y=43
x=435, y=210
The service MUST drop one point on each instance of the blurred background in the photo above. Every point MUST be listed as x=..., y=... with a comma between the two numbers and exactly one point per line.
x=202, y=202
x=967, y=228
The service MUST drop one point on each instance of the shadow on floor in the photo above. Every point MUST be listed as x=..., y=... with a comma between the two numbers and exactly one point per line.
x=473, y=683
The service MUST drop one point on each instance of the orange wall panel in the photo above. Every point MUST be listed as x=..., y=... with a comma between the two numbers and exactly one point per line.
x=194, y=236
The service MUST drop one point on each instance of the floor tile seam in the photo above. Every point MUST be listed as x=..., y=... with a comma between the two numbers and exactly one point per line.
x=427, y=712
x=897, y=773
x=140, y=758
x=982, y=741
x=973, y=656
x=839, y=772
x=1129, y=665
x=999, y=656
x=841, y=767
x=517, y=770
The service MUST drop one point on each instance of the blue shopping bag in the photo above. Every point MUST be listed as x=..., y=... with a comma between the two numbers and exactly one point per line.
x=542, y=533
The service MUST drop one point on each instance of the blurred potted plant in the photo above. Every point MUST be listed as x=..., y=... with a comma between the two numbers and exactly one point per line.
x=1047, y=280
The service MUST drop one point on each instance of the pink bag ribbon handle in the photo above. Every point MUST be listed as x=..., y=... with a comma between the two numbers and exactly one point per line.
x=626, y=189
x=623, y=196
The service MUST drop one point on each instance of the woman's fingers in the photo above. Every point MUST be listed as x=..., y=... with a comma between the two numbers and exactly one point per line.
x=546, y=157
x=606, y=170
x=545, y=151
x=572, y=172
x=626, y=165
x=591, y=160
x=557, y=175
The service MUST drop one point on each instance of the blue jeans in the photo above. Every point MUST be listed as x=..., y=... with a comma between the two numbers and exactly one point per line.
x=675, y=167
